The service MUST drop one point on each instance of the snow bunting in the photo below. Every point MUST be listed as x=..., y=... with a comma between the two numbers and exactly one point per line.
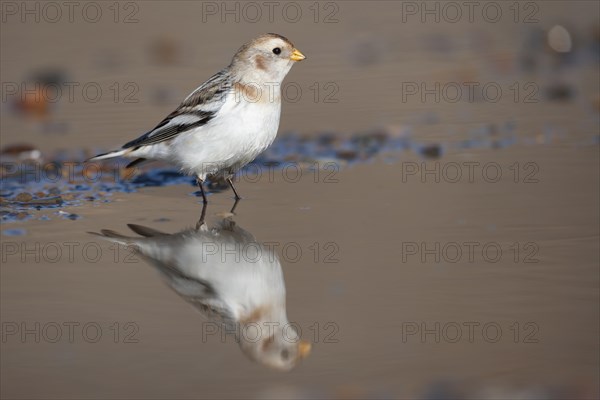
x=231, y=278
x=226, y=122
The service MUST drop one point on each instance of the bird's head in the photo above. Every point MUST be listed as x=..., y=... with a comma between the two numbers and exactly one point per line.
x=282, y=350
x=269, y=57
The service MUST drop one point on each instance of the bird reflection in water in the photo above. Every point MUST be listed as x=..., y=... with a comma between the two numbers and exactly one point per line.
x=231, y=278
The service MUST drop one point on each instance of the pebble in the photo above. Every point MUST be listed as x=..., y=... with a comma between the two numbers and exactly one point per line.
x=326, y=139
x=559, y=92
x=165, y=51
x=432, y=151
x=24, y=197
x=559, y=39
x=47, y=201
x=22, y=151
x=347, y=155
x=67, y=215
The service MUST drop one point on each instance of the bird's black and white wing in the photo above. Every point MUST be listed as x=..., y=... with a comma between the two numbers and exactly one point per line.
x=196, y=110
x=196, y=291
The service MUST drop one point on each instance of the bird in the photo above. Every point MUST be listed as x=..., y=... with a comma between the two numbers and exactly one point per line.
x=227, y=121
x=231, y=278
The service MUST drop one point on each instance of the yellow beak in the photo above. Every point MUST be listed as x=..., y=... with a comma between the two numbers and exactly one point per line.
x=304, y=348
x=297, y=56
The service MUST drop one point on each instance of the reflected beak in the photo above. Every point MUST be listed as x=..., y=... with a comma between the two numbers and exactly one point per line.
x=304, y=348
x=297, y=56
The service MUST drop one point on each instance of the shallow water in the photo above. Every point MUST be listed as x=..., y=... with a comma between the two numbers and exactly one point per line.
x=364, y=281
x=428, y=249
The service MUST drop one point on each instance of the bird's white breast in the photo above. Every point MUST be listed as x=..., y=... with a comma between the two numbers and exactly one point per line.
x=242, y=129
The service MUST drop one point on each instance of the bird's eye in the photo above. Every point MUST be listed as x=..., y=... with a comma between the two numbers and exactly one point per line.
x=285, y=354
x=277, y=50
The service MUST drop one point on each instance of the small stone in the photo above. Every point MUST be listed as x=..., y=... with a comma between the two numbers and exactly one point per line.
x=22, y=215
x=165, y=51
x=431, y=151
x=326, y=139
x=69, y=196
x=47, y=201
x=22, y=151
x=380, y=136
x=559, y=92
x=24, y=197
x=559, y=39
x=347, y=155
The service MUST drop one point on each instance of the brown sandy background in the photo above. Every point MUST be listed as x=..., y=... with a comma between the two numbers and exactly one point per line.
x=370, y=294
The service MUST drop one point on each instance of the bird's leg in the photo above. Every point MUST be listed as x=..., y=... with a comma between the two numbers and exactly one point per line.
x=199, y=182
x=234, y=206
x=237, y=196
x=202, y=215
x=204, y=203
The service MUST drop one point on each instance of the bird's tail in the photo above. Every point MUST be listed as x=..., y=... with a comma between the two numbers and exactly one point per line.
x=110, y=154
x=115, y=237
x=143, y=231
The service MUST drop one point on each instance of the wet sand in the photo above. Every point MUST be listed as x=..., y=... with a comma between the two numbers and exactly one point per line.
x=371, y=294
